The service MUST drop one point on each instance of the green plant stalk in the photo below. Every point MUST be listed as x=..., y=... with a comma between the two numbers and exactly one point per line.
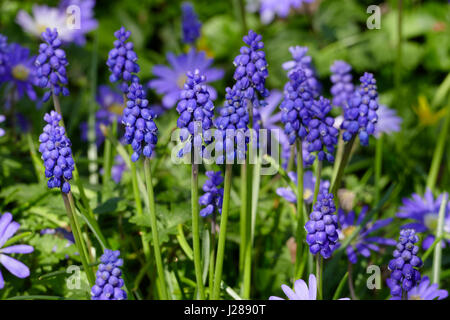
x=243, y=217
x=92, y=148
x=246, y=283
x=437, y=258
x=196, y=231
x=431, y=248
x=37, y=163
x=222, y=232
x=300, y=221
x=108, y=157
x=350, y=281
x=335, y=184
x=154, y=227
x=317, y=185
x=76, y=175
x=73, y=220
x=212, y=254
x=438, y=152
x=378, y=166
x=341, y=285
x=138, y=202
x=319, y=273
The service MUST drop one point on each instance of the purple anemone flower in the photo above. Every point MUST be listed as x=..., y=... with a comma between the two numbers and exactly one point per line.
x=44, y=17
x=271, y=8
x=388, y=121
x=2, y=119
x=425, y=291
x=425, y=211
x=301, y=290
x=171, y=78
x=363, y=243
x=8, y=228
x=20, y=71
x=309, y=182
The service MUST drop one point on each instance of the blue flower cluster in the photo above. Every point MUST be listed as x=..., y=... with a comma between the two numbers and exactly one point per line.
x=140, y=129
x=212, y=199
x=251, y=69
x=3, y=54
x=51, y=65
x=322, y=227
x=404, y=275
x=360, y=115
x=190, y=24
x=108, y=285
x=122, y=60
x=232, y=125
x=296, y=106
x=56, y=152
x=341, y=78
x=304, y=62
x=195, y=107
x=322, y=135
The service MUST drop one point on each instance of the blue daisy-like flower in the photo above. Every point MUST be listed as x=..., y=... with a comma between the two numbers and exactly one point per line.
x=170, y=79
x=364, y=242
x=425, y=211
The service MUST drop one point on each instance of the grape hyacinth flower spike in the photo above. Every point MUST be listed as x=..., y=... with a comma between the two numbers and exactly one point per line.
x=191, y=26
x=304, y=62
x=109, y=282
x=296, y=106
x=212, y=199
x=196, y=112
x=341, y=78
x=404, y=273
x=56, y=152
x=251, y=69
x=51, y=65
x=360, y=115
x=122, y=60
x=322, y=227
x=322, y=135
x=140, y=129
x=8, y=228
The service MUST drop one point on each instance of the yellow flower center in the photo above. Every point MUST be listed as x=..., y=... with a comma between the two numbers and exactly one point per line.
x=415, y=297
x=116, y=108
x=307, y=193
x=431, y=221
x=20, y=72
x=181, y=80
x=41, y=28
x=347, y=232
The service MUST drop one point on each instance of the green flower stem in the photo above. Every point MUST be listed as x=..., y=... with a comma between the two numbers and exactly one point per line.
x=243, y=217
x=222, y=232
x=76, y=175
x=335, y=184
x=92, y=152
x=154, y=227
x=317, y=185
x=108, y=157
x=212, y=255
x=37, y=163
x=339, y=154
x=378, y=167
x=300, y=220
x=81, y=246
x=437, y=258
x=196, y=231
x=246, y=283
x=319, y=273
x=438, y=152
